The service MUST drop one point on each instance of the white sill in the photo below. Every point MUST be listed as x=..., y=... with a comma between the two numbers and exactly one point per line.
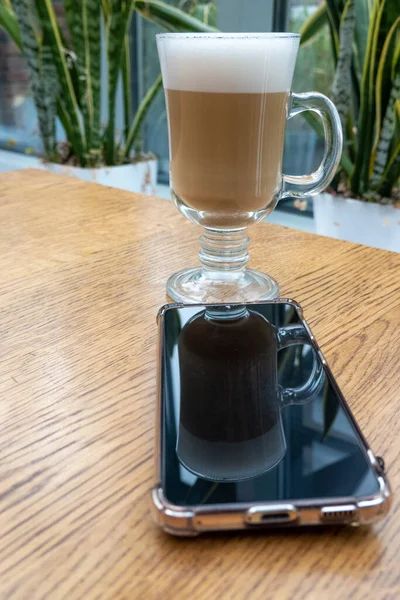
x=12, y=161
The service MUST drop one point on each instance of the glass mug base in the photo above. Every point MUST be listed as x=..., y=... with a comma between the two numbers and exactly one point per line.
x=200, y=286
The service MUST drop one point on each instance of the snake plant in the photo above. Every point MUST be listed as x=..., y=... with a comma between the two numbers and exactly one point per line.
x=365, y=45
x=65, y=74
x=65, y=70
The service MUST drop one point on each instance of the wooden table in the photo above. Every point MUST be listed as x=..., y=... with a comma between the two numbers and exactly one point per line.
x=83, y=271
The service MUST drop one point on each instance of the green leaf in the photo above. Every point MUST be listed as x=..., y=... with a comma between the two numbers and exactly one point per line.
x=383, y=16
x=206, y=12
x=363, y=12
x=396, y=60
x=119, y=21
x=141, y=114
x=51, y=31
x=42, y=76
x=396, y=135
x=83, y=18
x=9, y=23
x=383, y=98
x=334, y=40
x=170, y=18
x=50, y=92
x=341, y=87
x=391, y=176
x=126, y=84
x=62, y=112
x=106, y=9
x=314, y=25
x=359, y=177
x=74, y=16
x=388, y=128
x=92, y=29
x=335, y=8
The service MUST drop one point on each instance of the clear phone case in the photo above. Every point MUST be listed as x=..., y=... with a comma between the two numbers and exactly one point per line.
x=191, y=519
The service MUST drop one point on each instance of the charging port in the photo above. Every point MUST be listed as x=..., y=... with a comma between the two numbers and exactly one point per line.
x=275, y=517
x=270, y=515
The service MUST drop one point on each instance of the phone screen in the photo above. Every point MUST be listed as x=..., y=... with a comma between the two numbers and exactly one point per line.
x=250, y=415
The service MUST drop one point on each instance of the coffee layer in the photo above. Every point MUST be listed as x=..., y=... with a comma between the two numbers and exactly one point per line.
x=226, y=149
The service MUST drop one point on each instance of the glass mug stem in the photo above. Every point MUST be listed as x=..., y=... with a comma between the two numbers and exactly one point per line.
x=224, y=251
x=223, y=274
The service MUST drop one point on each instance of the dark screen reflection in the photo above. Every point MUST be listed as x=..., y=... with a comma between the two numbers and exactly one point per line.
x=228, y=436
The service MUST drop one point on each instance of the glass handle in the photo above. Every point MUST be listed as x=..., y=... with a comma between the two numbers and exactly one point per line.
x=293, y=335
x=316, y=182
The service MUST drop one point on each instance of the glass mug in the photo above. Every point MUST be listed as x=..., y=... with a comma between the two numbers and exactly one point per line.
x=230, y=423
x=228, y=98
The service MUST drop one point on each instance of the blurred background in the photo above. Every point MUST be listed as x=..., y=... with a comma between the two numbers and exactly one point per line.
x=323, y=25
x=314, y=71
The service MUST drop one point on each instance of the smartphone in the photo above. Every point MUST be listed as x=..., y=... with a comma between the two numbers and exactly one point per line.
x=252, y=430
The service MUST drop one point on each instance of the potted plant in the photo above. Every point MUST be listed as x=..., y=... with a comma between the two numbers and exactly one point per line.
x=362, y=203
x=65, y=74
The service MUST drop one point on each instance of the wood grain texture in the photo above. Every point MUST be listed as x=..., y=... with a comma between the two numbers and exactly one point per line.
x=83, y=271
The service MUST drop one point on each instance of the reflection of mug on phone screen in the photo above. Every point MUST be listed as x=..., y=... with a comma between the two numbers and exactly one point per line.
x=230, y=414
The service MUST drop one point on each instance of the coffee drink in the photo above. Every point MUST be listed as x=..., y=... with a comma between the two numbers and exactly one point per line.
x=226, y=149
x=227, y=111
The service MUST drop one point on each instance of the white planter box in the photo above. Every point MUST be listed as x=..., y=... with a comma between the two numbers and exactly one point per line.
x=355, y=221
x=138, y=177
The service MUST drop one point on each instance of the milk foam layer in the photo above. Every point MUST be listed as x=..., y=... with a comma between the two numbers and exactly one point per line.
x=228, y=63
